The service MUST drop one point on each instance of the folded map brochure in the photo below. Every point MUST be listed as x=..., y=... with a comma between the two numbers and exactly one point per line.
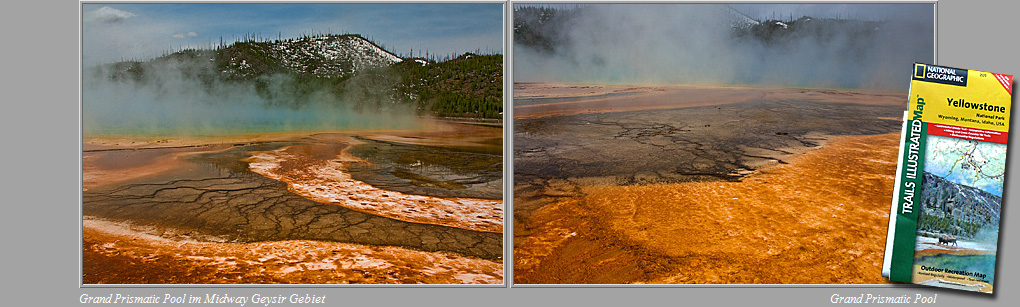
x=944, y=219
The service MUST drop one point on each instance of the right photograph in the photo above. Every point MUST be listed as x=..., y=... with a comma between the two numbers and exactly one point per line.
x=708, y=143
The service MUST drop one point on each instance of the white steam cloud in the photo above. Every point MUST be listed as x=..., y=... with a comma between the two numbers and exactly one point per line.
x=107, y=14
x=695, y=44
x=183, y=35
x=171, y=98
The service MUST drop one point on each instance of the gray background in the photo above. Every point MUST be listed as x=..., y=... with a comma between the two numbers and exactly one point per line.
x=41, y=179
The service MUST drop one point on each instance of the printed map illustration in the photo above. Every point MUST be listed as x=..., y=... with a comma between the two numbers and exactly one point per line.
x=977, y=164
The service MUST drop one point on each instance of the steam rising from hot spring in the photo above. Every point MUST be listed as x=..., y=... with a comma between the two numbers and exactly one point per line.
x=170, y=99
x=696, y=44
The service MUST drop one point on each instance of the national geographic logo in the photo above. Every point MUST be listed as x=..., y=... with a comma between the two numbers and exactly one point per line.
x=940, y=74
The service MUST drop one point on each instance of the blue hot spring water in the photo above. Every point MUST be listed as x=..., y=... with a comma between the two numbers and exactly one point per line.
x=984, y=264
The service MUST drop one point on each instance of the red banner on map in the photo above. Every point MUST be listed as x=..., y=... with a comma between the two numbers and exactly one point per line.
x=968, y=133
x=1006, y=81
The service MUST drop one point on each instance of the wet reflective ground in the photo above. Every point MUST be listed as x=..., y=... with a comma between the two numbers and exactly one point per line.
x=430, y=170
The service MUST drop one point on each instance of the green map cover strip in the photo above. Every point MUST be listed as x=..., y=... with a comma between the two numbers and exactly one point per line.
x=902, y=264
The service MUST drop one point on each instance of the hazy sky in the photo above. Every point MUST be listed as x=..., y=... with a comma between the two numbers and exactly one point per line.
x=113, y=32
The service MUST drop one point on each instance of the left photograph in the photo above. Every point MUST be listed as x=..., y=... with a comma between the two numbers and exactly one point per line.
x=292, y=143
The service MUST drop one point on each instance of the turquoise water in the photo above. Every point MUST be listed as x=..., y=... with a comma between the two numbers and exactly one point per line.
x=234, y=120
x=984, y=264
